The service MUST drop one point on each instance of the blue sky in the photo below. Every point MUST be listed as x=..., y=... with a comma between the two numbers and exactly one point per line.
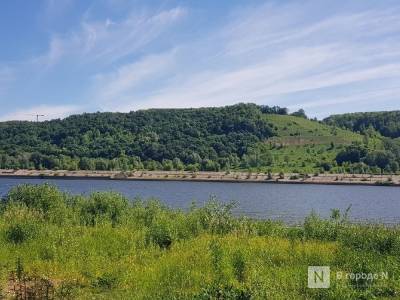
x=62, y=57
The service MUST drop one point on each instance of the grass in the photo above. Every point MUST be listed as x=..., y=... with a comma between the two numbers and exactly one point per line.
x=302, y=159
x=296, y=126
x=105, y=247
x=302, y=145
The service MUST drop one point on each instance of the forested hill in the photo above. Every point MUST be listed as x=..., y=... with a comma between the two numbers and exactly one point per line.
x=238, y=137
x=386, y=123
x=210, y=138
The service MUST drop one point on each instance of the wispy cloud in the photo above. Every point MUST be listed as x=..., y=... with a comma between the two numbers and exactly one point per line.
x=49, y=112
x=107, y=41
x=358, y=97
x=118, y=87
x=263, y=53
x=294, y=54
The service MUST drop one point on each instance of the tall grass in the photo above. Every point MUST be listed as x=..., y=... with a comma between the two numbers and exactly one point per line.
x=104, y=246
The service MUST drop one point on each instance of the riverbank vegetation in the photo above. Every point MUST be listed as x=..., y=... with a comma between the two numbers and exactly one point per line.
x=105, y=247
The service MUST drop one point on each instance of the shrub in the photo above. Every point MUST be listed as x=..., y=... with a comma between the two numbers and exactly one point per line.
x=161, y=232
x=22, y=224
x=317, y=228
x=239, y=265
x=145, y=213
x=46, y=199
x=217, y=261
x=106, y=281
x=104, y=207
x=269, y=228
x=372, y=238
x=217, y=217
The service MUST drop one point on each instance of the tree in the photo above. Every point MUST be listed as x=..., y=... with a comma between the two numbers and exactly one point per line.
x=351, y=154
x=300, y=113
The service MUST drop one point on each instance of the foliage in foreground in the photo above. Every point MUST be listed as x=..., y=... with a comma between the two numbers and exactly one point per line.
x=105, y=247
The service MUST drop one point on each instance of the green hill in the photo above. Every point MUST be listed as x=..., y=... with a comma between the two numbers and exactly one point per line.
x=291, y=129
x=237, y=137
x=303, y=145
x=197, y=139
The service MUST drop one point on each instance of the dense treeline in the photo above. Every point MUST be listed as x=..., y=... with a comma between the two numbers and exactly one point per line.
x=386, y=123
x=194, y=139
x=360, y=159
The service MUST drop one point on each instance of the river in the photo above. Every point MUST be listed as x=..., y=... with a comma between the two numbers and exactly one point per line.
x=290, y=203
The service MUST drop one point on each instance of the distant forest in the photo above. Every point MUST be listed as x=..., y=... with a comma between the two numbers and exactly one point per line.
x=386, y=123
x=194, y=139
x=238, y=137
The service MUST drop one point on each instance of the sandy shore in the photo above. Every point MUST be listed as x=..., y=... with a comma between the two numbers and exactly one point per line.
x=338, y=179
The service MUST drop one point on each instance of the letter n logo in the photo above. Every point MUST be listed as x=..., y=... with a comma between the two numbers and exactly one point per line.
x=319, y=277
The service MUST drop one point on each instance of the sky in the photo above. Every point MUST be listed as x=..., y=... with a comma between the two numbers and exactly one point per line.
x=63, y=57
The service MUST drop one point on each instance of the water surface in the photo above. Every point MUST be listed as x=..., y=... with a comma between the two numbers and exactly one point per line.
x=287, y=202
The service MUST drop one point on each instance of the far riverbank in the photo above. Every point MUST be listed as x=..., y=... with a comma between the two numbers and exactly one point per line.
x=254, y=177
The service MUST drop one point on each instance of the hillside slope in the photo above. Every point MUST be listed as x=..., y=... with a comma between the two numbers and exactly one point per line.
x=238, y=137
x=206, y=138
x=303, y=145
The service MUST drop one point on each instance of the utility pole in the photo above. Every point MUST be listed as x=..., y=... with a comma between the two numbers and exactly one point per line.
x=37, y=117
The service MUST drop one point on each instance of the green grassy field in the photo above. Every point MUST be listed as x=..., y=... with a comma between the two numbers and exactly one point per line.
x=287, y=125
x=301, y=145
x=104, y=247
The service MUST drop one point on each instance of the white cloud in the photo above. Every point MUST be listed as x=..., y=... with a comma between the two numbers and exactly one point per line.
x=358, y=97
x=111, y=90
x=262, y=53
x=278, y=26
x=49, y=112
x=105, y=42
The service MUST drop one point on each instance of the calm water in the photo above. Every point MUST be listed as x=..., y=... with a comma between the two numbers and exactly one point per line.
x=287, y=202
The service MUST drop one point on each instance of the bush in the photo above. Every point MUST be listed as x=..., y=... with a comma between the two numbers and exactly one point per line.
x=161, y=232
x=372, y=238
x=319, y=229
x=269, y=228
x=217, y=217
x=106, y=281
x=326, y=166
x=239, y=266
x=104, y=207
x=22, y=224
x=46, y=199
